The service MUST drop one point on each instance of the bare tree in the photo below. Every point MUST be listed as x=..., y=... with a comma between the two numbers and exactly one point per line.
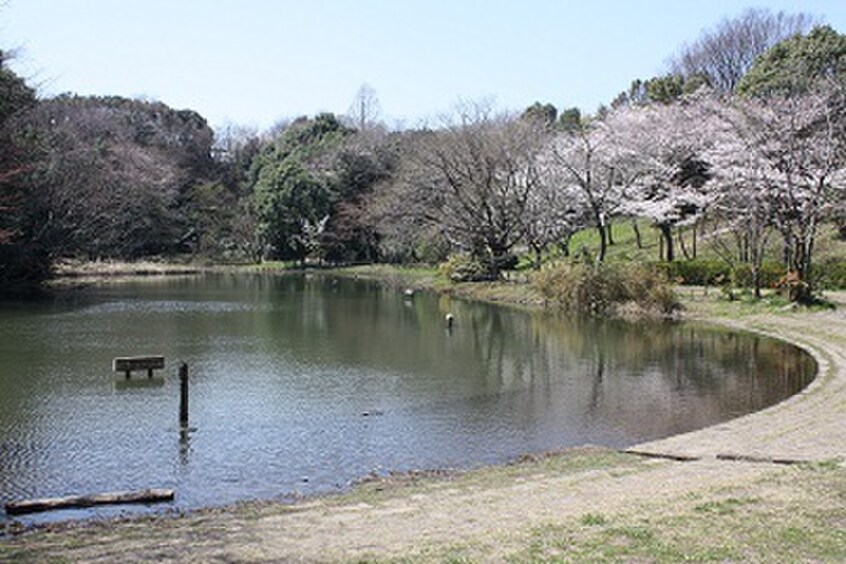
x=725, y=53
x=473, y=180
x=109, y=181
x=231, y=140
x=364, y=112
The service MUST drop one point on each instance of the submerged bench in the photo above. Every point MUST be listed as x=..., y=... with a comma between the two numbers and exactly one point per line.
x=128, y=364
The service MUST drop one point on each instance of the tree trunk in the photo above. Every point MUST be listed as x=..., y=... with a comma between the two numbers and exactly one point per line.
x=497, y=255
x=603, y=243
x=636, y=230
x=787, y=255
x=610, y=234
x=538, y=250
x=695, y=226
x=564, y=245
x=682, y=245
x=802, y=290
x=667, y=234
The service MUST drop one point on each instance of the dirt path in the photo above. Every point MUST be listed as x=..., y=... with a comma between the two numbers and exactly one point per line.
x=496, y=514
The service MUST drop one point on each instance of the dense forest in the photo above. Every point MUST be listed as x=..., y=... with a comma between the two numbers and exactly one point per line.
x=742, y=141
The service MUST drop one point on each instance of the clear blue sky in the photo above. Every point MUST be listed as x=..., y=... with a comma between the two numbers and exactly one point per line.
x=253, y=62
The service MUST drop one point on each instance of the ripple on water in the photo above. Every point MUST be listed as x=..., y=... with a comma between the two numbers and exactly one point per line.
x=298, y=386
x=163, y=307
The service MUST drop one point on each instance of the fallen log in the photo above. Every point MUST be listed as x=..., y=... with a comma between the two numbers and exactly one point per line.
x=113, y=498
x=662, y=455
x=761, y=459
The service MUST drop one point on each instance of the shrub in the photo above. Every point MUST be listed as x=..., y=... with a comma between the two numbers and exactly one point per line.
x=709, y=272
x=462, y=268
x=696, y=272
x=830, y=274
x=648, y=288
x=597, y=290
x=579, y=288
x=771, y=273
x=433, y=250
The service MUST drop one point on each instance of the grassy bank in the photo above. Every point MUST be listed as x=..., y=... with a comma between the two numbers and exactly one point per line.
x=515, y=293
x=68, y=269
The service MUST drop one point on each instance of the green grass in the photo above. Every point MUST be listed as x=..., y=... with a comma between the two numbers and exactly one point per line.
x=830, y=250
x=803, y=523
x=593, y=519
x=828, y=245
x=414, y=276
x=714, y=302
x=625, y=243
x=795, y=515
x=724, y=506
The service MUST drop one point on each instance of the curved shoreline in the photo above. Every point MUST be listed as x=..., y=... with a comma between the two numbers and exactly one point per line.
x=807, y=427
x=500, y=505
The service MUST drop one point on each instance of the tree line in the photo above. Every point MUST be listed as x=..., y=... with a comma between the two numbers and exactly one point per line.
x=744, y=133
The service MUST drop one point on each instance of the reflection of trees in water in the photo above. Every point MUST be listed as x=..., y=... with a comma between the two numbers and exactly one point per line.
x=284, y=350
x=655, y=376
x=676, y=376
x=658, y=375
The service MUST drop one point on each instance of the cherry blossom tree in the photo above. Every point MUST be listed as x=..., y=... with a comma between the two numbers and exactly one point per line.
x=742, y=213
x=590, y=165
x=790, y=152
x=553, y=212
x=659, y=146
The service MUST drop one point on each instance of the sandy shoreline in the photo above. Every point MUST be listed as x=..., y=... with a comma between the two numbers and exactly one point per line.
x=499, y=514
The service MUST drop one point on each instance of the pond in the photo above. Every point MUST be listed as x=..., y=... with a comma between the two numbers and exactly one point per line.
x=301, y=384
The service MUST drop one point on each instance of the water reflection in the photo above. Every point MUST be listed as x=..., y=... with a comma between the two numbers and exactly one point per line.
x=185, y=444
x=303, y=383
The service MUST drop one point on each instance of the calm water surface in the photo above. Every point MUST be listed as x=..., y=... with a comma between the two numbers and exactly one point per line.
x=302, y=384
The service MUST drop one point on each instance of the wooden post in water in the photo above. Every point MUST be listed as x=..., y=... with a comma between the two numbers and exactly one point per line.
x=183, y=394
